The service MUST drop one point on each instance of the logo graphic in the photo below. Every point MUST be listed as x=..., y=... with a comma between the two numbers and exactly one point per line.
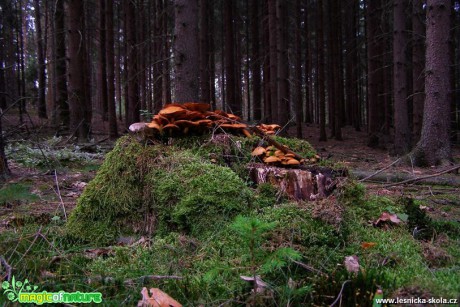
x=25, y=292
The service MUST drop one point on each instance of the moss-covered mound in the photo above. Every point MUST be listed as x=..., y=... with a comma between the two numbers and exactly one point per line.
x=145, y=189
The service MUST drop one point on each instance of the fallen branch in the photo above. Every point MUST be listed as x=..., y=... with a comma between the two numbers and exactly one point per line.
x=310, y=268
x=8, y=268
x=131, y=281
x=58, y=192
x=94, y=144
x=340, y=293
x=387, y=177
x=379, y=171
x=456, y=167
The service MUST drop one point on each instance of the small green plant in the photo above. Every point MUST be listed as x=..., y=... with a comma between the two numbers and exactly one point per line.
x=146, y=115
x=16, y=192
x=253, y=233
x=419, y=223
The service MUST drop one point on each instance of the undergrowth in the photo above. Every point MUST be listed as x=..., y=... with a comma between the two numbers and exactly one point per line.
x=48, y=154
x=209, y=234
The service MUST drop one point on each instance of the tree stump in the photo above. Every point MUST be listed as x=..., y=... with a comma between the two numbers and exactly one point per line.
x=301, y=183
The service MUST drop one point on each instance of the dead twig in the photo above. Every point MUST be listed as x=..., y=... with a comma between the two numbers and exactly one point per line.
x=58, y=192
x=37, y=234
x=379, y=171
x=8, y=268
x=94, y=144
x=310, y=268
x=456, y=167
x=340, y=293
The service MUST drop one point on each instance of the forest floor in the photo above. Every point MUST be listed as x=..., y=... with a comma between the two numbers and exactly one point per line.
x=352, y=152
x=46, y=181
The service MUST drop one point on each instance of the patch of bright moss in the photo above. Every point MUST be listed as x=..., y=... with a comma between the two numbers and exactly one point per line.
x=140, y=189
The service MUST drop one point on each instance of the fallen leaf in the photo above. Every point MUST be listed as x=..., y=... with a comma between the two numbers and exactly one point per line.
x=426, y=208
x=367, y=245
x=261, y=285
x=388, y=218
x=96, y=252
x=47, y=274
x=352, y=264
x=157, y=299
x=79, y=185
x=71, y=194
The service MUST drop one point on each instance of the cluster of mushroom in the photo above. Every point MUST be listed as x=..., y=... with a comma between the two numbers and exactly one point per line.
x=272, y=155
x=175, y=119
x=275, y=156
x=269, y=129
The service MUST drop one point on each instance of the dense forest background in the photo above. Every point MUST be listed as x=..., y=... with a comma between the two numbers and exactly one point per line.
x=390, y=67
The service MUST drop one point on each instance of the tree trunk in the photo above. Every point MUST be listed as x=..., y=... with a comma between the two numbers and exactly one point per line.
x=40, y=63
x=158, y=57
x=61, y=69
x=186, y=50
x=308, y=65
x=133, y=107
x=272, y=26
x=204, y=52
x=298, y=71
x=4, y=170
x=418, y=65
x=256, y=61
x=212, y=52
x=230, y=67
x=282, y=63
x=76, y=69
x=374, y=71
x=401, y=116
x=102, y=67
x=166, y=76
x=266, y=64
x=320, y=65
x=109, y=49
x=50, y=63
x=338, y=69
x=434, y=145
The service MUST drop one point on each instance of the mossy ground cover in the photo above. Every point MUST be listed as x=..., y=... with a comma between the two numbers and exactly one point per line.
x=202, y=220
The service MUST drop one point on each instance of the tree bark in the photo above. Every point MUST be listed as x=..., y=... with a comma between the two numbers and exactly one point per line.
x=308, y=65
x=374, y=71
x=109, y=49
x=298, y=71
x=204, y=52
x=102, y=67
x=418, y=65
x=133, y=105
x=61, y=69
x=79, y=106
x=320, y=65
x=230, y=65
x=434, y=145
x=256, y=61
x=4, y=170
x=272, y=25
x=40, y=63
x=186, y=50
x=282, y=63
x=401, y=116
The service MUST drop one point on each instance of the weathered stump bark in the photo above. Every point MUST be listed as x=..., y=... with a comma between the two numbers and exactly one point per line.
x=302, y=183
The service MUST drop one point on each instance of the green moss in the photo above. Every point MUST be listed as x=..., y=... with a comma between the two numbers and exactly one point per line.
x=143, y=188
x=301, y=147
